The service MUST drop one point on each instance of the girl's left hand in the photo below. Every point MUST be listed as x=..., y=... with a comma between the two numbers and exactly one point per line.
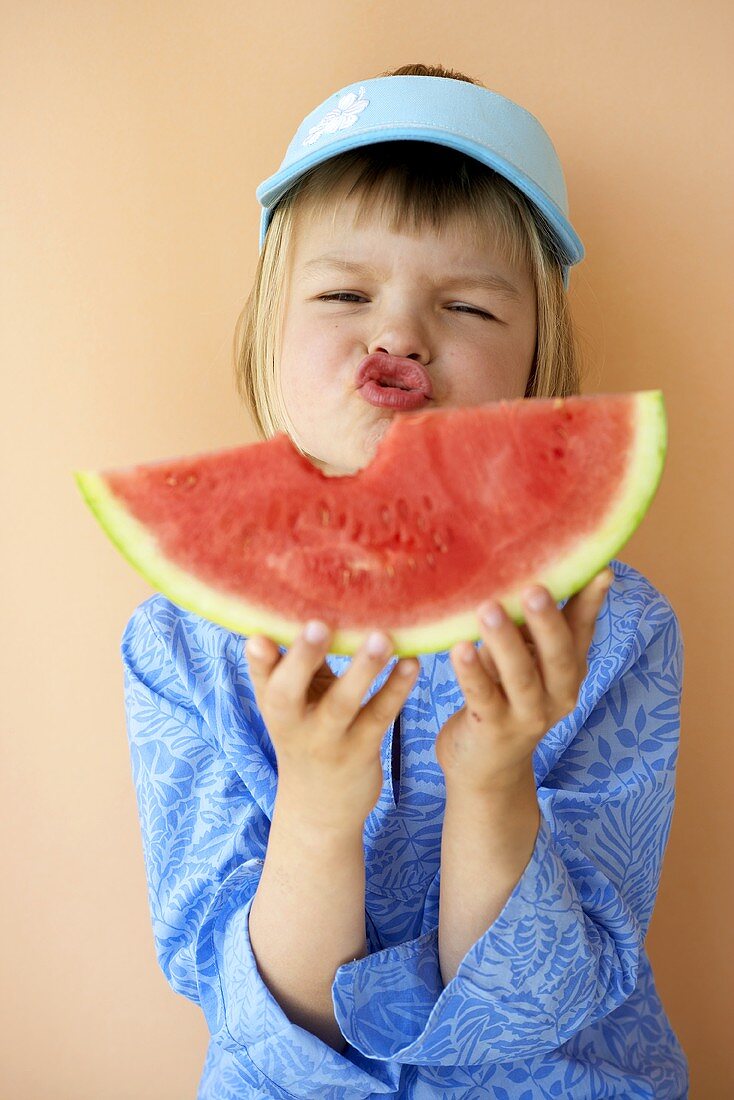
x=512, y=700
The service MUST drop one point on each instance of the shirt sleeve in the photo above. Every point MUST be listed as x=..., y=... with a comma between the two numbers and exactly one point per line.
x=204, y=840
x=565, y=949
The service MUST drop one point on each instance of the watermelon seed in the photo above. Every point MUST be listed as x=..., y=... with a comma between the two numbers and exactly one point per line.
x=325, y=517
x=385, y=515
x=171, y=480
x=411, y=563
x=389, y=570
x=191, y=480
x=430, y=559
x=439, y=542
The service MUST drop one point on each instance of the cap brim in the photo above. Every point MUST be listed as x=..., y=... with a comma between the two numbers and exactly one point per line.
x=272, y=189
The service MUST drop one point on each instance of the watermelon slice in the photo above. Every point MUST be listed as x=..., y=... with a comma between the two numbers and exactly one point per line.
x=458, y=505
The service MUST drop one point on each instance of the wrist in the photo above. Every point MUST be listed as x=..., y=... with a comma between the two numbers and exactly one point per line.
x=508, y=784
x=311, y=826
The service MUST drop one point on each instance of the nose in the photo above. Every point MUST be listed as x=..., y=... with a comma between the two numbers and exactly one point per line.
x=391, y=347
x=403, y=339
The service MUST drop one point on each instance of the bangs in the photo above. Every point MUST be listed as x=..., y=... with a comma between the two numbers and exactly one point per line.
x=414, y=187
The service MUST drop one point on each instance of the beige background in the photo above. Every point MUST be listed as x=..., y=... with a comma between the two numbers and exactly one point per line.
x=133, y=137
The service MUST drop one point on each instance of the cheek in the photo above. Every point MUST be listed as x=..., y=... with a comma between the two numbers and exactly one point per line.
x=491, y=374
x=314, y=340
x=313, y=367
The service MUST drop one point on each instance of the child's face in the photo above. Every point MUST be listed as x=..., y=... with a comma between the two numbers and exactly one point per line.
x=410, y=311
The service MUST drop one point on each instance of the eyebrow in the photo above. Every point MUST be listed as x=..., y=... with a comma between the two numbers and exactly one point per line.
x=484, y=279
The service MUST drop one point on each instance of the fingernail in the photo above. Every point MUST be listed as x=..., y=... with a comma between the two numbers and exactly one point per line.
x=376, y=645
x=491, y=615
x=256, y=647
x=315, y=632
x=537, y=599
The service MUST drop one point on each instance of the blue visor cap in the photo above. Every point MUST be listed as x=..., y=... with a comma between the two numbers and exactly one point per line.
x=475, y=121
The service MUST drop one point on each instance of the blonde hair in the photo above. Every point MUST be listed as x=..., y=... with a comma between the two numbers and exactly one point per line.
x=415, y=185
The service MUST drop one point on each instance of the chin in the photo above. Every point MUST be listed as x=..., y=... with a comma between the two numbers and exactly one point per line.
x=328, y=470
x=364, y=452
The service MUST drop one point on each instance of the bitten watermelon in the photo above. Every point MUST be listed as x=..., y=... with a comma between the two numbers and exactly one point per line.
x=458, y=505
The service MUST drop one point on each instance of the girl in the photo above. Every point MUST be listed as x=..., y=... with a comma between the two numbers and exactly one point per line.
x=417, y=879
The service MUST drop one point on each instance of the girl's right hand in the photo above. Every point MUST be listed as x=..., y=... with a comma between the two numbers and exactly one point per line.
x=327, y=745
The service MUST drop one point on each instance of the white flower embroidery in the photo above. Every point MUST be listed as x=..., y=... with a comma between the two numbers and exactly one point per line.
x=345, y=114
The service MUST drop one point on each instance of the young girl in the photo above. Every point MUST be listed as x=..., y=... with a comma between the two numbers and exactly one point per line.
x=422, y=878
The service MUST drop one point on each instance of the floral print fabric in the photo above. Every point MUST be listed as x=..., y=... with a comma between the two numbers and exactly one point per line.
x=555, y=1000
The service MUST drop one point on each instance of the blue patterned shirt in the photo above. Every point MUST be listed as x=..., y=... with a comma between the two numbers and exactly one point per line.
x=555, y=1000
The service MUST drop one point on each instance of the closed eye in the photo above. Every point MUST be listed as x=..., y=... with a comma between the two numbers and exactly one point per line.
x=479, y=312
x=343, y=295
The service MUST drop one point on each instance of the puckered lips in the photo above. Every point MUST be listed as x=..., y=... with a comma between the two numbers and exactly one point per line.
x=393, y=382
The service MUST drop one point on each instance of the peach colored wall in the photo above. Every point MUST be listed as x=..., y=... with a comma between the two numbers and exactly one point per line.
x=133, y=137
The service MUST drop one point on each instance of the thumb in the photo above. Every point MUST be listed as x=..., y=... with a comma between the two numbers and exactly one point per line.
x=582, y=611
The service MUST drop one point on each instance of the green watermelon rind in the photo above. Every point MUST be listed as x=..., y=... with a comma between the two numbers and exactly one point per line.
x=573, y=570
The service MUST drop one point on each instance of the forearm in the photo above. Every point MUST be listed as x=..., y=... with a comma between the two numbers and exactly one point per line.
x=486, y=844
x=307, y=917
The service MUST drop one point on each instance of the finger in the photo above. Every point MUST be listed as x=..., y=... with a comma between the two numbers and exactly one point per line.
x=487, y=662
x=582, y=611
x=384, y=706
x=262, y=655
x=556, y=649
x=286, y=688
x=341, y=703
x=517, y=667
x=484, y=696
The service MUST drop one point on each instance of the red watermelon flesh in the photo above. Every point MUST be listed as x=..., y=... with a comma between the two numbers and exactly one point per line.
x=457, y=506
